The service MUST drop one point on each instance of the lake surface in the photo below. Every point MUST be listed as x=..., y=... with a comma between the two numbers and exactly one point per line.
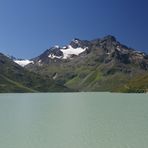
x=74, y=120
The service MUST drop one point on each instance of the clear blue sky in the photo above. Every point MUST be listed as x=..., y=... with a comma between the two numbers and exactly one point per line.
x=28, y=27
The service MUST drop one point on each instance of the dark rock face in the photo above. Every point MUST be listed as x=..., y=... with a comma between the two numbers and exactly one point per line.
x=46, y=57
x=122, y=57
x=80, y=43
x=56, y=51
x=112, y=50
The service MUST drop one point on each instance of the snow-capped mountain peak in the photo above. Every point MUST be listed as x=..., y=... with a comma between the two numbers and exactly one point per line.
x=58, y=53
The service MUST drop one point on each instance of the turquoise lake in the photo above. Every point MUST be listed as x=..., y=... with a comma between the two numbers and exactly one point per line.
x=74, y=120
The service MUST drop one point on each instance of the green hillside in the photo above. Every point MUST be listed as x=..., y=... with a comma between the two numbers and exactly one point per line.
x=14, y=78
x=138, y=84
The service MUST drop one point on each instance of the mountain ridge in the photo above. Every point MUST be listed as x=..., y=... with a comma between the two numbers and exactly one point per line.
x=102, y=64
x=105, y=60
x=56, y=52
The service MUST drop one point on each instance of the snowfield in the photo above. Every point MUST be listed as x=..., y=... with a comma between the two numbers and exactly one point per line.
x=72, y=51
x=23, y=62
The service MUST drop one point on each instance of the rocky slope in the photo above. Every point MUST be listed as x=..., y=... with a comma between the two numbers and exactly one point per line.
x=98, y=65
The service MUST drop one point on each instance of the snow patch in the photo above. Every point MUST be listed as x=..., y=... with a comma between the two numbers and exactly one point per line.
x=52, y=56
x=118, y=48
x=67, y=52
x=64, y=47
x=72, y=51
x=23, y=62
x=39, y=61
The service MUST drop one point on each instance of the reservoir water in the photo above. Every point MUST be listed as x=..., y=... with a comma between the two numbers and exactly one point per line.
x=74, y=120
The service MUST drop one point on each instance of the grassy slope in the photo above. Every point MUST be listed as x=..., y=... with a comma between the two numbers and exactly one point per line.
x=84, y=83
x=14, y=78
x=84, y=77
x=7, y=85
x=137, y=84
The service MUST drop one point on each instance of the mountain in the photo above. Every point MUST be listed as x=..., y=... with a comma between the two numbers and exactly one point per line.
x=98, y=65
x=14, y=78
x=58, y=54
x=102, y=64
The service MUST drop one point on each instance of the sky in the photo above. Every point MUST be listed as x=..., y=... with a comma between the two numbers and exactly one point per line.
x=28, y=27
